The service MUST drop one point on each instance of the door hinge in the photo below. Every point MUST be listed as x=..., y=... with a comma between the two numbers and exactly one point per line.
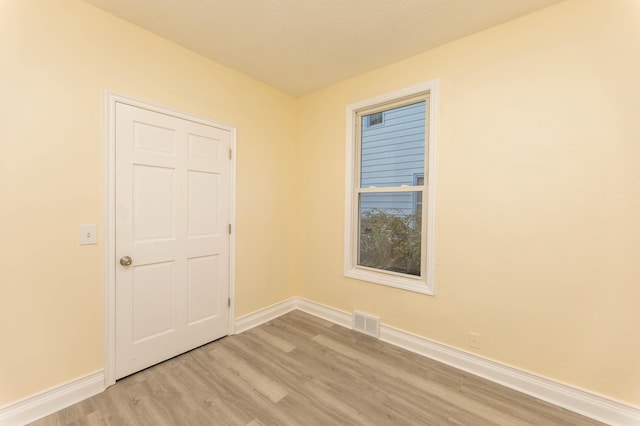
x=230, y=154
x=229, y=228
x=229, y=302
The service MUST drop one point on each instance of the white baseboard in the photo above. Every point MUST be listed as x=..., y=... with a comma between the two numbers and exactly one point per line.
x=574, y=399
x=571, y=398
x=263, y=315
x=37, y=406
x=328, y=313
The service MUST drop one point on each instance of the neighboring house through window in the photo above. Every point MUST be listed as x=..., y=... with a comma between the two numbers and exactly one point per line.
x=374, y=119
x=390, y=151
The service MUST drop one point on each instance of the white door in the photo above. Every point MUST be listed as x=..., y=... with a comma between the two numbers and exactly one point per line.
x=172, y=221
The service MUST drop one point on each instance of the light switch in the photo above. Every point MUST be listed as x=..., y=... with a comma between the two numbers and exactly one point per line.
x=88, y=235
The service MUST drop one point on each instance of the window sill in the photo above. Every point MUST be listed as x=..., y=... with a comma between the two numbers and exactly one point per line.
x=417, y=285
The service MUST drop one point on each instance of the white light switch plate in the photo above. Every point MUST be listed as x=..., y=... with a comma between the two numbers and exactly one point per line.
x=88, y=235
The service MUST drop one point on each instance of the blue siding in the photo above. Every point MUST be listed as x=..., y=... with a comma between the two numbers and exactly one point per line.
x=393, y=155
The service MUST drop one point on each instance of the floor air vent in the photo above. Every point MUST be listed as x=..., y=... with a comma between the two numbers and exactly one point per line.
x=366, y=324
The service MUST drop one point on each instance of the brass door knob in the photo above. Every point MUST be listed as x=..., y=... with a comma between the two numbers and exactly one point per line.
x=126, y=261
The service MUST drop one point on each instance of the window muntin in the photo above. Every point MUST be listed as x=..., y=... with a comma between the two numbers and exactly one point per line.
x=388, y=234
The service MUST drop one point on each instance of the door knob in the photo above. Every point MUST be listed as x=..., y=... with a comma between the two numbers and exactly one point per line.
x=126, y=261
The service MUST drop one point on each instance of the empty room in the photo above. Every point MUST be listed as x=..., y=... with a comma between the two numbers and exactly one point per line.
x=320, y=212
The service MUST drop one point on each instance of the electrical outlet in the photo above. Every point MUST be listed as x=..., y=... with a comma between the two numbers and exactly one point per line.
x=474, y=340
x=88, y=235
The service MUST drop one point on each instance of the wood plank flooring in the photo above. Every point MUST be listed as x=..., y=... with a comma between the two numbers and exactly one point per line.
x=301, y=370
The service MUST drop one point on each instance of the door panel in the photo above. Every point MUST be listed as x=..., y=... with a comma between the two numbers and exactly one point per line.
x=202, y=299
x=172, y=215
x=154, y=199
x=203, y=204
x=152, y=300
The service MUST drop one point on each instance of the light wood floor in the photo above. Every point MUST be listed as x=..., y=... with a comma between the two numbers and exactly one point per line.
x=301, y=370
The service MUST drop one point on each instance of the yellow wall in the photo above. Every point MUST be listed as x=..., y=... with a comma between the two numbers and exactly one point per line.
x=538, y=196
x=538, y=236
x=56, y=60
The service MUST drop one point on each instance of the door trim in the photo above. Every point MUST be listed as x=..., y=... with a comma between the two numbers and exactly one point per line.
x=111, y=99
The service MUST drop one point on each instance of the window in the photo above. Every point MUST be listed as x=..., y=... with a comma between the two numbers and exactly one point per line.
x=390, y=171
x=374, y=119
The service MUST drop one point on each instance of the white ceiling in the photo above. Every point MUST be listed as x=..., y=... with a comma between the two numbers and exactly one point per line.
x=300, y=46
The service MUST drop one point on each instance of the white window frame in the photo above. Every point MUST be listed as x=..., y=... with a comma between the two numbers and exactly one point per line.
x=425, y=282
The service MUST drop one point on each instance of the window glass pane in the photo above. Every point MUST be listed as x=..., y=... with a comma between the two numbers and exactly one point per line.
x=389, y=232
x=392, y=152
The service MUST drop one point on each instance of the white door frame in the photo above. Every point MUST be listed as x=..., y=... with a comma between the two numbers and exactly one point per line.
x=109, y=220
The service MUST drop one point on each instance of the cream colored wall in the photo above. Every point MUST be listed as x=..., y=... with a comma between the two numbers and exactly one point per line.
x=56, y=60
x=538, y=196
x=538, y=235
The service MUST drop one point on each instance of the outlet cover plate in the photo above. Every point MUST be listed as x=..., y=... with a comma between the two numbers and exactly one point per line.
x=88, y=235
